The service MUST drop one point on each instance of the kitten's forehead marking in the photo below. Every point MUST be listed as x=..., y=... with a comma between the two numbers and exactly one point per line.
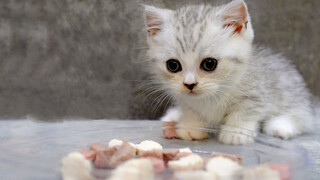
x=190, y=22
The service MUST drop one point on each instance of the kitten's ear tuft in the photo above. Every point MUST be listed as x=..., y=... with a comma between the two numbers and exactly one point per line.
x=235, y=14
x=155, y=19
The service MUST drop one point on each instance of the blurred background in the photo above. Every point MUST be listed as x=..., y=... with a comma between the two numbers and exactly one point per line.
x=84, y=58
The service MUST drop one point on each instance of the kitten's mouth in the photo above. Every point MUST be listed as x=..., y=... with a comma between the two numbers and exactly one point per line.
x=192, y=92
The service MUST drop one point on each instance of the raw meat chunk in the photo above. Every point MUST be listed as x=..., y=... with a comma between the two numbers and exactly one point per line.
x=123, y=153
x=76, y=167
x=101, y=160
x=170, y=154
x=114, y=142
x=223, y=167
x=181, y=155
x=232, y=157
x=191, y=162
x=188, y=150
x=117, y=142
x=149, y=146
x=154, y=153
x=134, y=169
x=158, y=165
x=98, y=147
x=88, y=153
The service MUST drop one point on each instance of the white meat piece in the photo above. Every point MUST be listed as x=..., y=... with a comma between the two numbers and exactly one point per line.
x=191, y=162
x=117, y=142
x=114, y=142
x=76, y=167
x=134, y=169
x=185, y=150
x=149, y=146
x=223, y=167
x=191, y=175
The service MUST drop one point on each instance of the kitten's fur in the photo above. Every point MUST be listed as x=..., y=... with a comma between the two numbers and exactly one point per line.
x=249, y=87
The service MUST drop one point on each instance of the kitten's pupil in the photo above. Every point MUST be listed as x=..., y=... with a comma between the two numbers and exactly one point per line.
x=209, y=64
x=174, y=65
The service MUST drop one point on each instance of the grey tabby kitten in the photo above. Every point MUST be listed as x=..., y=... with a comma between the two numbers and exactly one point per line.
x=204, y=58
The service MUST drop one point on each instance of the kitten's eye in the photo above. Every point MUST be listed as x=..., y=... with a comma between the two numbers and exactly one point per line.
x=173, y=65
x=209, y=64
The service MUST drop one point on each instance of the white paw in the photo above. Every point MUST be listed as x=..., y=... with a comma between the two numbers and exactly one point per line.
x=282, y=127
x=235, y=136
x=172, y=115
x=192, y=134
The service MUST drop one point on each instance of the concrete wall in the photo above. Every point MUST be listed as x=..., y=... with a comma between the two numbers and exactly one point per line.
x=73, y=58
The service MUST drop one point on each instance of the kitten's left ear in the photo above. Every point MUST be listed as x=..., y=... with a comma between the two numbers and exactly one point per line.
x=155, y=19
x=235, y=14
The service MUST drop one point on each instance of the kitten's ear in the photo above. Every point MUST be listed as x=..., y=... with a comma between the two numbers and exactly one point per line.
x=235, y=14
x=155, y=19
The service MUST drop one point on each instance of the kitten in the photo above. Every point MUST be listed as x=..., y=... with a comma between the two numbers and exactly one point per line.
x=204, y=58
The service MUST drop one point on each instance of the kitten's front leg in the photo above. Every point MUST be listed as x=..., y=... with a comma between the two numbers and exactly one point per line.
x=189, y=126
x=239, y=128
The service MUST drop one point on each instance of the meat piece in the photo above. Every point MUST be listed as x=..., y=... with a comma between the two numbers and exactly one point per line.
x=181, y=155
x=185, y=150
x=282, y=169
x=191, y=175
x=114, y=142
x=123, y=153
x=170, y=154
x=223, y=167
x=232, y=157
x=134, y=169
x=88, y=153
x=158, y=165
x=191, y=162
x=169, y=130
x=97, y=147
x=110, y=151
x=101, y=160
x=154, y=153
x=117, y=142
x=76, y=166
x=149, y=146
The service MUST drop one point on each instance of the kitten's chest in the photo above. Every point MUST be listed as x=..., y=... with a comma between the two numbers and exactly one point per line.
x=210, y=112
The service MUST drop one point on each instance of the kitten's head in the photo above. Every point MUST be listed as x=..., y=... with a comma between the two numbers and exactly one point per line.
x=201, y=50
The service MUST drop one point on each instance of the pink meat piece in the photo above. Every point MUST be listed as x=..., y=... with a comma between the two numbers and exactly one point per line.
x=110, y=151
x=283, y=170
x=153, y=153
x=158, y=165
x=97, y=147
x=169, y=130
x=235, y=158
x=101, y=160
x=169, y=154
x=181, y=155
x=123, y=153
x=88, y=153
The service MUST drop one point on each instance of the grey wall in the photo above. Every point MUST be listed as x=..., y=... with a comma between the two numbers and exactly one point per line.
x=73, y=58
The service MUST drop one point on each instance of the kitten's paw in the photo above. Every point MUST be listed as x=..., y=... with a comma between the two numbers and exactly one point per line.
x=234, y=136
x=192, y=134
x=172, y=115
x=281, y=127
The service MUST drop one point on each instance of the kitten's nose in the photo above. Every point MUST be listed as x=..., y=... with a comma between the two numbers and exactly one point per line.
x=190, y=86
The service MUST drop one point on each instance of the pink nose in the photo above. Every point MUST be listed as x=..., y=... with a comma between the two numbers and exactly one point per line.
x=190, y=86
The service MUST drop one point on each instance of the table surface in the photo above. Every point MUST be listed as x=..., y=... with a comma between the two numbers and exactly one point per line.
x=21, y=137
